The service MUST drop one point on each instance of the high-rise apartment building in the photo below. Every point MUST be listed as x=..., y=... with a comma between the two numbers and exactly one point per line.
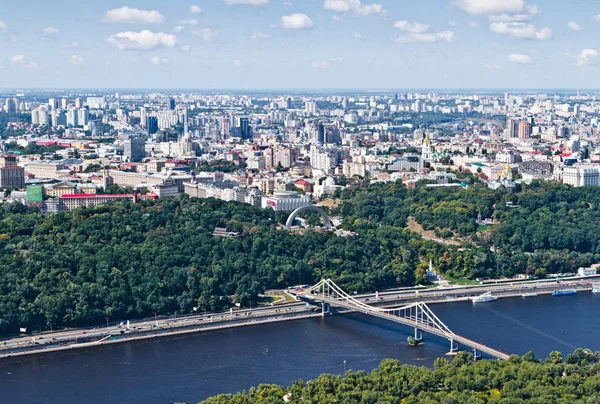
x=524, y=130
x=310, y=108
x=512, y=126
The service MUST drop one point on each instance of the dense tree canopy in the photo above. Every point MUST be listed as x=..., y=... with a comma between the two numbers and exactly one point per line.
x=460, y=381
x=123, y=260
x=545, y=227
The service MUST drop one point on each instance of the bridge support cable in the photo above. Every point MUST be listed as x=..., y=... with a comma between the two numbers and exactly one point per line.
x=416, y=315
x=419, y=313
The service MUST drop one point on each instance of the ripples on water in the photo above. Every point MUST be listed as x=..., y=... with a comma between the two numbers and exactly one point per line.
x=191, y=368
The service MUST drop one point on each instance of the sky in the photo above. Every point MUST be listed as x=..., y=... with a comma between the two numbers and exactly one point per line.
x=300, y=44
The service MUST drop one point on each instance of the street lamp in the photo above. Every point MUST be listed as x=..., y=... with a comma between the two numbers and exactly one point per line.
x=344, y=366
x=107, y=324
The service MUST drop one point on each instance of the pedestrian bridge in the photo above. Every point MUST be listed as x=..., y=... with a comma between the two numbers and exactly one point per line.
x=416, y=315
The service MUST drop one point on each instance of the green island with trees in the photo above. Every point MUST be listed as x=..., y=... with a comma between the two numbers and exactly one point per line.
x=459, y=381
x=124, y=260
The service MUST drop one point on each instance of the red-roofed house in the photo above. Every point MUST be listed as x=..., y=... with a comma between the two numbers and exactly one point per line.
x=303, y=185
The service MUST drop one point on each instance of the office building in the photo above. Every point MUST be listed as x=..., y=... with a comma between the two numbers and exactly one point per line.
x=285, y=201
x=11, y=175
x=135, y=149
x=152, y=125
x=581, y=176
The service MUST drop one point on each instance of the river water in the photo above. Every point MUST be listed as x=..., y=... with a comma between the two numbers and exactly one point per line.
x=191, y=368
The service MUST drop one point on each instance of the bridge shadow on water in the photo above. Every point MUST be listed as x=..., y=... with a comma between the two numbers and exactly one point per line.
x=365, y=323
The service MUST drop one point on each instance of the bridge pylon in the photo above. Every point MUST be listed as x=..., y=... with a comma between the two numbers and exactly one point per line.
x=453, y=347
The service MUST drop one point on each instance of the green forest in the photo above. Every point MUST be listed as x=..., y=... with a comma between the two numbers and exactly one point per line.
x=460, y=381
x=541, y=228
x=124, y=260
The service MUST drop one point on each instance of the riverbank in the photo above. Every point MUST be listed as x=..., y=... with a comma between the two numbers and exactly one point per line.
x=120, y=338
x=83, y=338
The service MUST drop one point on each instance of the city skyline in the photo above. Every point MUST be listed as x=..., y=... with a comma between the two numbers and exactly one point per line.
x=315, y=44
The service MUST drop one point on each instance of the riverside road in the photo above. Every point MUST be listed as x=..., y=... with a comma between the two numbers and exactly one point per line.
x=160, y=326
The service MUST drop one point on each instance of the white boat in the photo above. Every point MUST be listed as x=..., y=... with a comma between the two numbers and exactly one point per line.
x=595, y=287
x=529, y=295
x=486, y=297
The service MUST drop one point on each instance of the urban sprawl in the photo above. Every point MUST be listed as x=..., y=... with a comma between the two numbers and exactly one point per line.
x=64, y=150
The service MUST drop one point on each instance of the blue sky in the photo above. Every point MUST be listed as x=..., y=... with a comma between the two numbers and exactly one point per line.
x=208, y=44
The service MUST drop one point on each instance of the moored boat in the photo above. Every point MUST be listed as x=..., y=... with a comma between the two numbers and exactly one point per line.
x=564, y=292
x=486, y=297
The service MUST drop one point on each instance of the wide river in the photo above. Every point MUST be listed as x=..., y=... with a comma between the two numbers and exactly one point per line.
x=191, y=368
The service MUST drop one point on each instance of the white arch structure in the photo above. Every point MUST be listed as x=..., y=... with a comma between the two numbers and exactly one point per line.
x=326, y=220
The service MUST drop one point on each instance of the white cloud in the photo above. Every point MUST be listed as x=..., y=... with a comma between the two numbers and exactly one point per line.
x=356, y=35
x=287, y=3
x=22, y=61
x=238, y=63
x=133, y=16
x=76, y=61
x=143, y=40
x=178, y=29
x=207, y=34
x=491, y=6
x=50, y=31
x=452, y=23
x=510, y=17
x=574, y=26
x=188, y=22
x=354, y=7
x=519, y=58
x=17, y=59
x=185, y=48
x=321, y=65
x=71, y=45
x=521, y=30
x=257, y=36
x=194, y=9
x=157, y=60
x=586, y=57
x=247, y=2
x=296, y=21
x=596, y=18
x=447, y=36
x=412, y=27
x=3, y=27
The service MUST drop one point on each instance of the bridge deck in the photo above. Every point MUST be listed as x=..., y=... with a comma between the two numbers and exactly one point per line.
x=415, y=323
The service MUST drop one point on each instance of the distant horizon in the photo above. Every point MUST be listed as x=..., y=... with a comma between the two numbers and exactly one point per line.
x=305, y=89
